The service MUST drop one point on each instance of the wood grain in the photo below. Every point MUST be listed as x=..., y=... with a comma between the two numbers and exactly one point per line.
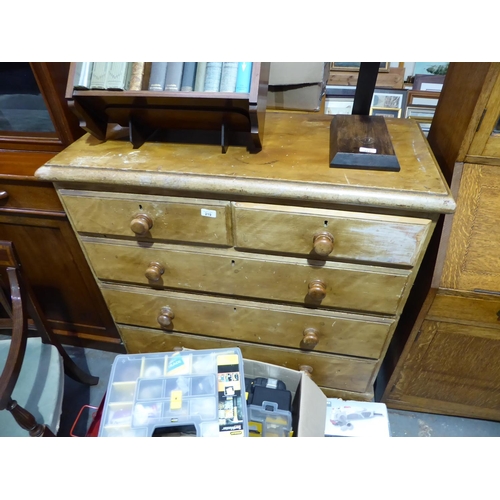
x=459, y=110
x=357, y=237
x=440, y=364
x=173, y=219
x=348, y=334
x=227, y=272
x=472, y=260
x=292, y=165
x=328, y=370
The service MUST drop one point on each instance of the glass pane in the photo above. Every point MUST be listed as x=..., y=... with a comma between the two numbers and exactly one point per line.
x=22, y=108
x=496, y=130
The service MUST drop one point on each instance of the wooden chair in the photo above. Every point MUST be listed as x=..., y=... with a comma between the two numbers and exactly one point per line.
x=32, y=368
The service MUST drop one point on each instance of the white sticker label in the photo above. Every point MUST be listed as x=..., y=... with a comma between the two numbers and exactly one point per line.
x=208, y=213
x=367, y=150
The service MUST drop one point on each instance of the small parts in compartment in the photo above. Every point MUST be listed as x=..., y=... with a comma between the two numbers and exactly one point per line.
x=269, y=408
x=183, y=393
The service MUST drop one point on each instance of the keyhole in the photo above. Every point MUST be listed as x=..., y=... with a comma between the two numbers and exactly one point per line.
x=326, y=223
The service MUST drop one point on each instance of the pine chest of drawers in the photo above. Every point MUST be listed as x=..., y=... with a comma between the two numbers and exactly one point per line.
x=296, y=263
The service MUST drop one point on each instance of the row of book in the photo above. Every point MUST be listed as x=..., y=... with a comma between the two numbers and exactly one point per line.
x=164, y=76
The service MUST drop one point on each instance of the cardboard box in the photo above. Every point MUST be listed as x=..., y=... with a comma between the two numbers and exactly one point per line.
x=308, y=400
x=297, y=86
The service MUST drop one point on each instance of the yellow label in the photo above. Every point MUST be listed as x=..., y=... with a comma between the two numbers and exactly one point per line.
x=176, y=400
x=227, y=359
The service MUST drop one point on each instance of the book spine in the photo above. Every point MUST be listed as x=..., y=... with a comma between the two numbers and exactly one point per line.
x=99, y=72
x=188, y=77
x=174, y=76
x=118, y=75
x=83, y=72
x=212, y=77
x=228, y=77
x=137, y=74
x=244, y=78
x=201, y=70
x=157, y=78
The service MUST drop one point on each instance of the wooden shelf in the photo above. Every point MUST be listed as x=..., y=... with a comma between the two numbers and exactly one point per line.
x=226, y=117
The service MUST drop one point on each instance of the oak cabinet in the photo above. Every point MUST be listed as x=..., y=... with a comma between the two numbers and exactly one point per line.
x=450, y=362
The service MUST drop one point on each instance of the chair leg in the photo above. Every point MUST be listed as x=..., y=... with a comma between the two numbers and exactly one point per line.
x=70, y=367
x=27, y=421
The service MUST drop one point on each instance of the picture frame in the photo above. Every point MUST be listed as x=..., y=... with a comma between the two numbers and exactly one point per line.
x=430, y=68
x=386, y=112
x=339, y=105
x=428, y=83
x=390, y=99
x=420, y=113
x=354, y=66
x=424, y=98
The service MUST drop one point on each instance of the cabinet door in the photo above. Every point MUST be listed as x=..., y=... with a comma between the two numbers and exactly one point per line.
x=451, y=369
x=472, y=258
x=60, y=277
x=33, y=110
x=486, y=141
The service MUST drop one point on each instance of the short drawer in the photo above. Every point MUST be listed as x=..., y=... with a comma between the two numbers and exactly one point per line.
x=328, y=370
x=330, y=234
x=310, y=330
x=149, y=217
x=227, y=272
x=29, y=195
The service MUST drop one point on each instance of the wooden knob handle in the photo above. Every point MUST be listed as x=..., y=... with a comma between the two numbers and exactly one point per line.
x=306, y=369
x=141, y=224
x=165, y=317
x=3, y=195
x=310, y=337
x=317, y=290
x=323, y=244
x=154, y=271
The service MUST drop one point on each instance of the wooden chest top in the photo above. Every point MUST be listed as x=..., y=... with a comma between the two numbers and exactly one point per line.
x=293, y=165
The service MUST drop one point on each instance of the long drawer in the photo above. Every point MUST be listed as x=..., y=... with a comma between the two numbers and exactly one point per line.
x=317, y=330
x=150, y=217
x=328, y=370
x=329, y=234
x=281, y=279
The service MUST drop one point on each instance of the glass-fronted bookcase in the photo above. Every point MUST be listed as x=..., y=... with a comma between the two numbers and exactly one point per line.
x=35, y=124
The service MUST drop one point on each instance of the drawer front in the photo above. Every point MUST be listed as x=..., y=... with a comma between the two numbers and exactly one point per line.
x=330, y=234
x=150, y=217
x=328, y=370
x=312, y=330
x=343, y=286
x=29, y=195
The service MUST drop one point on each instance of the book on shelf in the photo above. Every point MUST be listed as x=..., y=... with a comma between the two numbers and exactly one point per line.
x=188, y=77
x=199, y=83
x=137, y=75
x=173, y=78
x=163, y=76
x=157, y=78
x=212, y=77
x=228, y=77
x=98, y=78
x=118, y=75
x=244, y=77
x=83, y=73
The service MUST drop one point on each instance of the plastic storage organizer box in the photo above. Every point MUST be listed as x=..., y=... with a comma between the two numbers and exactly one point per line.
x=176, y=393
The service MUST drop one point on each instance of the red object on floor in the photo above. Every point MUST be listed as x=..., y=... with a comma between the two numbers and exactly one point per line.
x=96, y=422
x=93, y=430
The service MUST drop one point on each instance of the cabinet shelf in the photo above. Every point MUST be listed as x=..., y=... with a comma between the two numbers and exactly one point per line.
x=226, y=117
